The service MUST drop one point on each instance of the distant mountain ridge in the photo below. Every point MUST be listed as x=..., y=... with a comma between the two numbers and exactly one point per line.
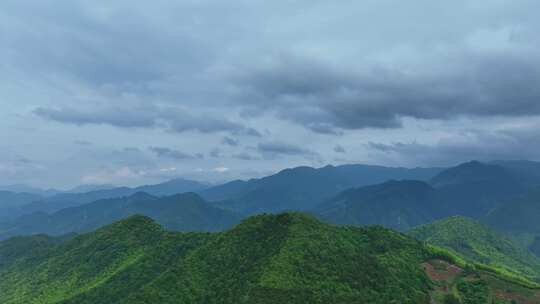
x=11, y=202
x=66, y=200
x=179, y=212
x=395, y=204
x=470, y=189
x=303, y=188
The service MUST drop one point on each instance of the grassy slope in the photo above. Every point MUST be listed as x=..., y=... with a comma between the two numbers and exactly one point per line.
x=480, y=244
x=286, y=258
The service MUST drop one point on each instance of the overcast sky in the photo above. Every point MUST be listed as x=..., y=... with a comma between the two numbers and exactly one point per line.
x=134, y=92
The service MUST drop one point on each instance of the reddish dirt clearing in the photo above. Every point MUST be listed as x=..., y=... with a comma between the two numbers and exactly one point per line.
x=448, y=273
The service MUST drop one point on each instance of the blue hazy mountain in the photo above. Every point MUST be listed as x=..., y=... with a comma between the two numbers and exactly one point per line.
x=180, y=212
x=66, y=200
x=303, y=188
x=394, y=204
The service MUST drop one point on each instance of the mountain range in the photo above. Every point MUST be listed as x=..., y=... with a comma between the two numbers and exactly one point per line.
x=303, y=188
x=473, y=189
x=180, y=212
x=472, y=236
x=70, y=199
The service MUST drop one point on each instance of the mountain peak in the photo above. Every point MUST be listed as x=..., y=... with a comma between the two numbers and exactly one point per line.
x=470, y=172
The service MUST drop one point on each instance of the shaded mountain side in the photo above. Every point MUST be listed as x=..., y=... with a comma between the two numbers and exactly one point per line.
x=181, y=212
x=395, y=204
x=267, y=259
x=517, y=215
x=12, y=202
x=66, y=200
x=472, y=189
x=302, y=188
x=534, y=247
x=479, y=243
x=527, y=172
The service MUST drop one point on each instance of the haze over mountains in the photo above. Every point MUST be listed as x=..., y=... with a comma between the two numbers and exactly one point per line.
x=477, y=223
x=398, y=198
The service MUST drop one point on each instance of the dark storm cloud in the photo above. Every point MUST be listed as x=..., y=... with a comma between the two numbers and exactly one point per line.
x=322, y=97
x=174, y=154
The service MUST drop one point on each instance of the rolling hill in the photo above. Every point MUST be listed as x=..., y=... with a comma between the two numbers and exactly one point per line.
x=479, y=243
x=181, y=212
x=267, y=259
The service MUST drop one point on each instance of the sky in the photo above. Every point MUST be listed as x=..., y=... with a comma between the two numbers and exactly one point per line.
x=136, y=92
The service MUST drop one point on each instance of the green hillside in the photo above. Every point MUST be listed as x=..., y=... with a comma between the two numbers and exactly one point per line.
x=479, y=243
x=267, y=259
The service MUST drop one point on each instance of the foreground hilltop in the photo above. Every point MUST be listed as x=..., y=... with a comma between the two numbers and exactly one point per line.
x=285, y=258
x=479, y=243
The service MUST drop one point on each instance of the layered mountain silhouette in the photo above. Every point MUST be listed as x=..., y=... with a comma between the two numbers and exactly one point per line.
x=395, y=204
x=180, y=212
x=303, y=188
x=66, y=200
x=12, y=202
x=474, y=188
x=471, y=189
x=520, y=215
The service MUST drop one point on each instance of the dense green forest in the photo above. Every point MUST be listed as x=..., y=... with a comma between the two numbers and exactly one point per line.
x=479, y=243
x=285, y=258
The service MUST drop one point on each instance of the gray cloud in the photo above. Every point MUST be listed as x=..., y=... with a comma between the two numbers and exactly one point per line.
x=245, y=156
x=215, y=153
x=82, y=143
x=312, y=73
x=118, y=117
x=339, y=149
x=512, y=143
x=322, y=97
x=281, y=148
x=171, y=119
x=230, y=142
x=174, y=154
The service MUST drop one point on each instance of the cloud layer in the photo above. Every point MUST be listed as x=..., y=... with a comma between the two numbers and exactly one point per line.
x=257, y=86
